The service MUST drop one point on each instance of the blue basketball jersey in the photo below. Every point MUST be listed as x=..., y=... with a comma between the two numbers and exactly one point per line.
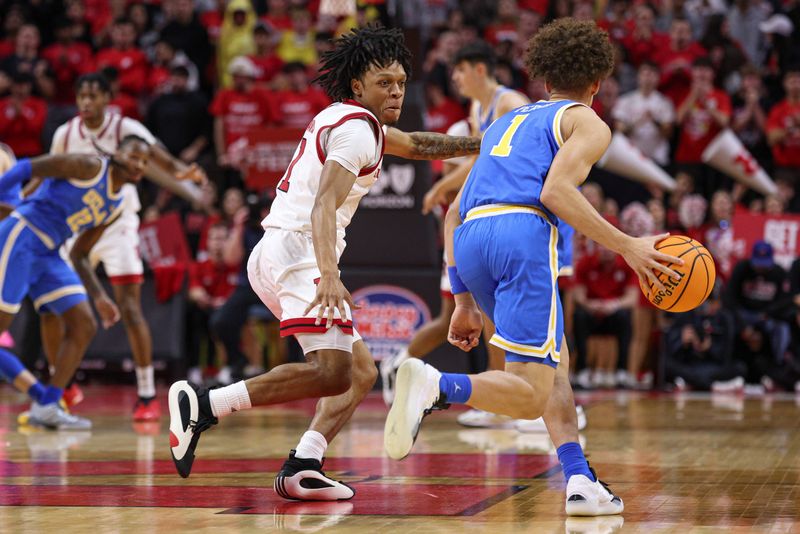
x=484, y=123
x=11, y=196
x=516, y=153
x=62, y=208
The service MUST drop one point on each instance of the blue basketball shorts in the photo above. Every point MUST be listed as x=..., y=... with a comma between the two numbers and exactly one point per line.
x=28, y=267
x=509, y=262
x=565, y=235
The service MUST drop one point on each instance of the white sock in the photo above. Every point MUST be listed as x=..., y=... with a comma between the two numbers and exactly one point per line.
x=146, y=382
x=229, y=399
x=312, y=445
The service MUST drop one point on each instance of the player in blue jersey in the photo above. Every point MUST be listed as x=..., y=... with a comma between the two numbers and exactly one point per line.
x=81, y=195
x=502, y=238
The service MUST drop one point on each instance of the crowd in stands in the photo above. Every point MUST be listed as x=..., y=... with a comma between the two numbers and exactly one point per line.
x=202, y=74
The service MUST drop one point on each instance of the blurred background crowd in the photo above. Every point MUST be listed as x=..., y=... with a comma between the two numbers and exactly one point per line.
x=201, y=75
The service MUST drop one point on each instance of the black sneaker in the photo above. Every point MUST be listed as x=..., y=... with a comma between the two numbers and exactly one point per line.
x=189, y=415
x=302, y=479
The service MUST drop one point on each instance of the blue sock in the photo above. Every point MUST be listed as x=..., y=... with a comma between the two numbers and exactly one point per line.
x=456, y=386
x=37, y=391
x=573, y=462
x=51, y=394
x=10, y=366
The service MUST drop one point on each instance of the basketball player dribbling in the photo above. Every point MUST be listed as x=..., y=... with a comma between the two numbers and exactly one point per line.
x=502, y=244
x=294, y=268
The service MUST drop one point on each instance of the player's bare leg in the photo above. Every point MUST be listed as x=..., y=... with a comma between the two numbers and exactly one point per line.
x=496, y=361
x=45, y=410
x=51, y=328
x=129, y=300
x=585, y=495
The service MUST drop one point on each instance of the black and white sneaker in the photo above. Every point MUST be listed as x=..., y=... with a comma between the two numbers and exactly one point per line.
x=189, y=415
x=302, y=479
x=587, y=498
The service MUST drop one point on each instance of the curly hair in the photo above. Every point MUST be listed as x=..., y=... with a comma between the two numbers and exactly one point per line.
x=355, y=53
x=570, y=54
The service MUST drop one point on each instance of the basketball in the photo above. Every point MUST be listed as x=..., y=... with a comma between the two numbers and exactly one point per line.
x=697, y=275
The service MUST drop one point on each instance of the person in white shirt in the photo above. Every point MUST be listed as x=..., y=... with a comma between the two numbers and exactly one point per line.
x=294, y=268
x=646, y=116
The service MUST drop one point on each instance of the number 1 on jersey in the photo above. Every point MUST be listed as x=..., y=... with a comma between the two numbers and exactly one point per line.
x=503, y=148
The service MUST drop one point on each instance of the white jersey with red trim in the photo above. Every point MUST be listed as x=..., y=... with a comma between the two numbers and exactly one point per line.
x=73, y=137
x=345, y=132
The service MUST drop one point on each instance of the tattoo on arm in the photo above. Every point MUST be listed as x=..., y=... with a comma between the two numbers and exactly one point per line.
x=429, y=145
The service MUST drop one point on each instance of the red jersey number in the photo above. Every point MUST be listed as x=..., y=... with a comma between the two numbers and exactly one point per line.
x=284, y=185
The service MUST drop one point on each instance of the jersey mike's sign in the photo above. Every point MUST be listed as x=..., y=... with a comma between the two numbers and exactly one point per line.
x=388, y=317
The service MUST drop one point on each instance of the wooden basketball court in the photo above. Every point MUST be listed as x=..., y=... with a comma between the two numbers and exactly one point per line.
x=682, y=463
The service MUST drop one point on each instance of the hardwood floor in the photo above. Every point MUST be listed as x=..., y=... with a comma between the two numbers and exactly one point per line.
x=682, y=463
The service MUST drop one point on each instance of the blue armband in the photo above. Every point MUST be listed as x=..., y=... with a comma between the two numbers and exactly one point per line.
x=17, y=174
x=456, y=285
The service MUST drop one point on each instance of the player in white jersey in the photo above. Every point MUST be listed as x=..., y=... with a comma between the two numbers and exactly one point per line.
x=95, y=131
x=294, y=268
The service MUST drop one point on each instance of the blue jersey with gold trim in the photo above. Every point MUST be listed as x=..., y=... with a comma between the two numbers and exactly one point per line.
x=516, y=153
x=59, y=209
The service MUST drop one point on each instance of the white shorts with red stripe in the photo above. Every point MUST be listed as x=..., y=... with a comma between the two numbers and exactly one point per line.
x=283, y=272
x=118, y=250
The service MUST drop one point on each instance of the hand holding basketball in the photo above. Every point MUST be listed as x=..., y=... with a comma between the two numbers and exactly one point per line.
x=695, y=280
x=648, y=263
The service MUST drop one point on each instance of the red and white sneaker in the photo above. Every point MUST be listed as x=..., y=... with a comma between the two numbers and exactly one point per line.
x=146, y=410
x=73, y=395
x=302, y=479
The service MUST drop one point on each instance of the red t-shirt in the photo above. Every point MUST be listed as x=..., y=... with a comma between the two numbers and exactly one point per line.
x=644, y=49
x=267, y=67
x=441, y=117
x=68, y=63
x=218, y=279
x=604, y=283
x=699, y=128
x=212, y=21
x=298, y=109
x=501, y=32
x=125, y=106
x=159, y=76
x=22, y=130
x=132, y=66
x=279, y=23
x=241, y=112
x=786, y=116
x=676, y=70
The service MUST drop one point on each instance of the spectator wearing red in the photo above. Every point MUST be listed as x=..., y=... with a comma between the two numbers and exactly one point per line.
x=268, y=64
x=504, y=27
x=120, y=103
x=605, y=292
x=675, y=60
x=239, y=109
x=211, y=282
x=617, y=22
x=643, y=41
x=69, y=59
x=441, y=112
x=278, y=15
x=783, y=129
x=704, y=112
x=166, y=59
x=22, y=117
x=212, y=20
x=300, y=101
x=130, y=62
x=26, y=59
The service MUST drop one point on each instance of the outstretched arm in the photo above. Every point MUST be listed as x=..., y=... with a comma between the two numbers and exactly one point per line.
x=69, y=167
x=79, y=255
x=429, y=145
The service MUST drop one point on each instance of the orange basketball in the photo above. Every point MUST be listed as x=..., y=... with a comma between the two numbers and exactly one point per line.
x=697, y=275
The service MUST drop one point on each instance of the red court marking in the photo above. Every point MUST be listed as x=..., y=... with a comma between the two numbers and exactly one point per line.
x=417, y=465
x=371, y=499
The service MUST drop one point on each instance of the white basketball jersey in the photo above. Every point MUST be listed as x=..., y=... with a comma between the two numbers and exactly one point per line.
x=73, y=137
x=297, y=190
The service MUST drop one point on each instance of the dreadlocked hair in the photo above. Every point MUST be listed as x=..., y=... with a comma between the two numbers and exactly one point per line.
x=355, y=53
